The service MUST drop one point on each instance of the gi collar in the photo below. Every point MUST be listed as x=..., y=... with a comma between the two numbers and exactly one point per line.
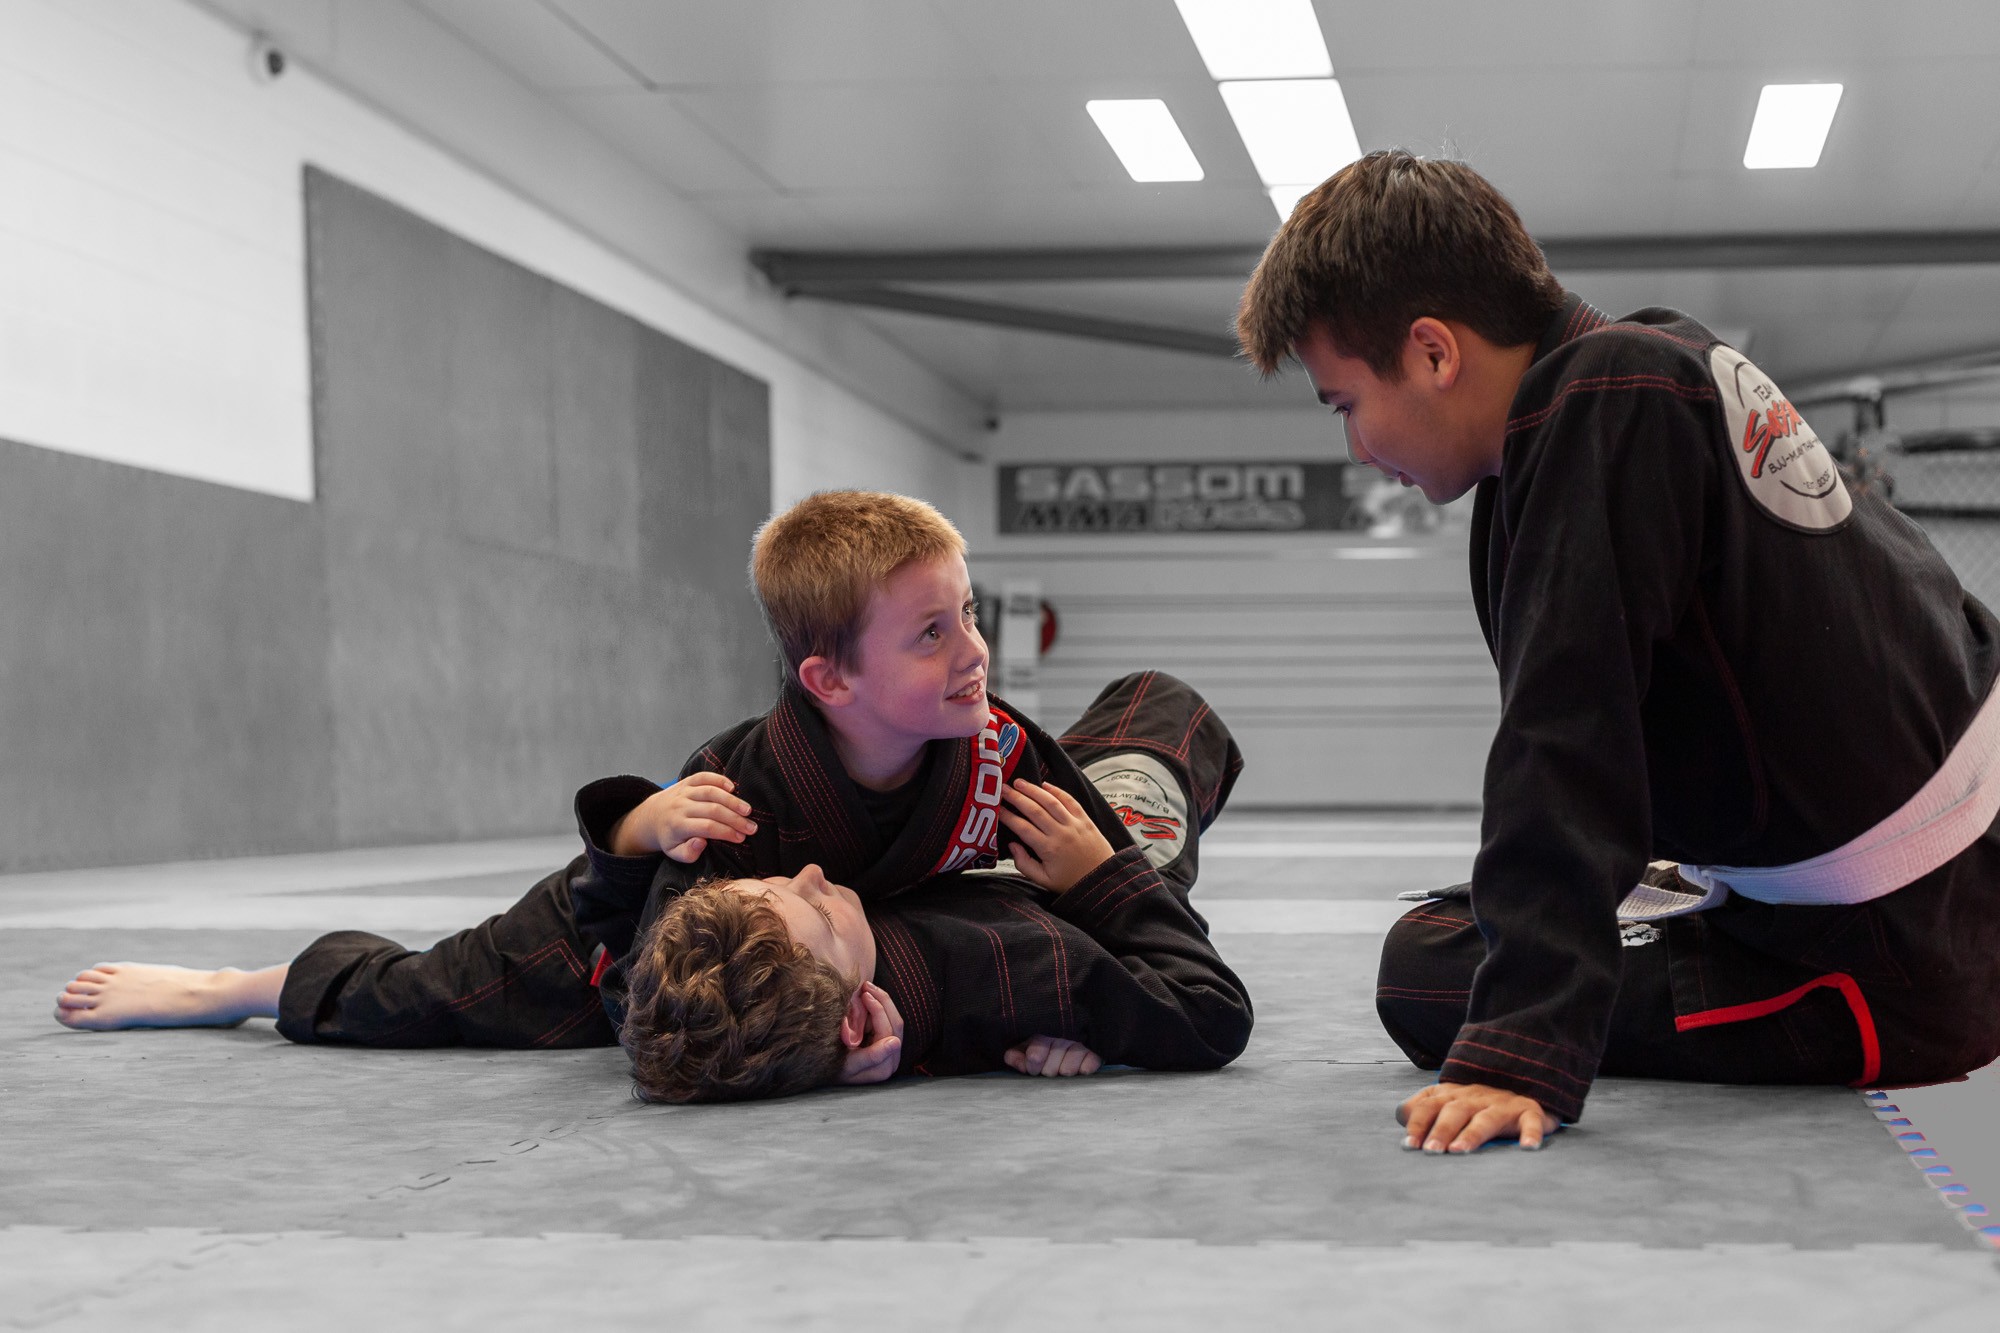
x=1576, y=318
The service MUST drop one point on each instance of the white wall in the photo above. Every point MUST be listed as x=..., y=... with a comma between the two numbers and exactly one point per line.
x=1350, y=668
x=152, y=283
x=152, y=292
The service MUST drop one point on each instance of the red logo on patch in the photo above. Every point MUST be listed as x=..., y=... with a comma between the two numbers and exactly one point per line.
x=1158, y=828
x=1765, y=429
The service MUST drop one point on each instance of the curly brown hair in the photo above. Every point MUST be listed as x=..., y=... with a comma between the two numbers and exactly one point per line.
x=723, y=1005
x=1385, y=241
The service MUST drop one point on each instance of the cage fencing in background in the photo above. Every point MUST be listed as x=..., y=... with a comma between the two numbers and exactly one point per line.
x=1948, y=481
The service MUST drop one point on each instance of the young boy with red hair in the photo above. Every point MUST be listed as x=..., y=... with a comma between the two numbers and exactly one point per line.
x=884, y=763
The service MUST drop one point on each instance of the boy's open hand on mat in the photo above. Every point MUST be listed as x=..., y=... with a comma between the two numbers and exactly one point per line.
x=681, y=819
x=874, y=1047
x=1052, y=1057
x=1460, y=1117
x=1055, y=844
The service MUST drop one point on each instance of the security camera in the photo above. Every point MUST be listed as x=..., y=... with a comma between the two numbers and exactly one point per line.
x=267, y=62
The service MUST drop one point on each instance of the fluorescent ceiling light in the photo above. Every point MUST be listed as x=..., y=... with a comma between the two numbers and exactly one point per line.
x=1791, y=125
x=1257, y=39
x=1143, y=134
x=1297, y=130
x=1285, y=198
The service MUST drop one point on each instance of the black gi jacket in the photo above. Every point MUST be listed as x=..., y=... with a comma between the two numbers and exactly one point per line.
x=1712, y=649
x=809, y=811
x=977, y=963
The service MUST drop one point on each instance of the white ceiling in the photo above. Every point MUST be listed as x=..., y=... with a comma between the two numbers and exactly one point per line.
x=880, y=124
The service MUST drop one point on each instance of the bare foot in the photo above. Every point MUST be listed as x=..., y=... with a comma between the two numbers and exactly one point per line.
x=158, y=995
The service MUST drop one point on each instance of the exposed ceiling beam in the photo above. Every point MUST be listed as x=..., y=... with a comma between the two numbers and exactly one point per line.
x=1024, y=317
x=814, y=270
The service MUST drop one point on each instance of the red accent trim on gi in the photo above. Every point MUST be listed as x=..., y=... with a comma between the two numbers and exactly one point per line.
x=600, y=965
x=1850, y=990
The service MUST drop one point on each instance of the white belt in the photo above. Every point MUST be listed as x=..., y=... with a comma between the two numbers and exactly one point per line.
x=1946, y=816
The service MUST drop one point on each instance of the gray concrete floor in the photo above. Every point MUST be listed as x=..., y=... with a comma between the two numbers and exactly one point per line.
x=185, y=1179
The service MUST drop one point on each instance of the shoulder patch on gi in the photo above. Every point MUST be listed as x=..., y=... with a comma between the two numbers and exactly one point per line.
x=1786, y=469
x=1146, y=797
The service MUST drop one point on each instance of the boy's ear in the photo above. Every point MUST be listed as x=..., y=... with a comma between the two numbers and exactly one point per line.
x=825, y=681
x=1434, y=347
x=854, y=1023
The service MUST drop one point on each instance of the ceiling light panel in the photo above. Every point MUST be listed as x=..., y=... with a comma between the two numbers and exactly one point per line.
x=1257, y=39
x=1297, y=130
x=1791, y=125
x=1143, y=134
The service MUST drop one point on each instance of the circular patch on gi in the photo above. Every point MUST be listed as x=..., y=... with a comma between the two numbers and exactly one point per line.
x=1146, y=797
x=1786, y=469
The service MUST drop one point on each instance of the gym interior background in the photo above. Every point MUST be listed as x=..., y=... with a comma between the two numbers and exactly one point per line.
x=388, y=391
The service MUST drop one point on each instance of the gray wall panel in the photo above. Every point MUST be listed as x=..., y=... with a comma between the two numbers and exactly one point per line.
x=163, y=673
x=552, y=615
x=499, y=385
x=595, y=429
x=524, y=569
x=381, y=357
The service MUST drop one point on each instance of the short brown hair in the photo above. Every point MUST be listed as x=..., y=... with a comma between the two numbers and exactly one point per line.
x=815, y=564
x=1385, y=241
x=722, y=1005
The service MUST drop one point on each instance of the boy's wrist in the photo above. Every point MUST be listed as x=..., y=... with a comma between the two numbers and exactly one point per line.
x=634, y=834
x=606, y=804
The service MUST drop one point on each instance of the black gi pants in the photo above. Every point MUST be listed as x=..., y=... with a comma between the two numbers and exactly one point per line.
x=518, y=980
x=523, y=979
x=1901, y=990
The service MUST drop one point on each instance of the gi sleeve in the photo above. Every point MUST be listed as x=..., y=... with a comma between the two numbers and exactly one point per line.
x=1603, y=507
x=611, y=885
x=1156, y=994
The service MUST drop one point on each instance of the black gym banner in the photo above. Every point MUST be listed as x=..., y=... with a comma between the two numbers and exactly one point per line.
x=1175, y=497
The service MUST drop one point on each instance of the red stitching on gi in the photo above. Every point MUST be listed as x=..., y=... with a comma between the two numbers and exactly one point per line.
x=1557, y=1070
x=1138, y=693
x=1850, y=990
x=1420, y=993
x=1208, y=801
x=1187, y=737
x=1058, y=953
x=1569, y=325
x=1006, y=977
x=1604, y=383
x=1652, y=332
x=907, y=961
x=1129, y=743
x=1515, y=1036
x=808, y=781
x=1508, y=1073
x=1415, y=914
x=558, y=947
x=1148, y=879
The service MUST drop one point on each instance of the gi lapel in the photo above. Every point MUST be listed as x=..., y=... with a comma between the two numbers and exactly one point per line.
x=814, y=781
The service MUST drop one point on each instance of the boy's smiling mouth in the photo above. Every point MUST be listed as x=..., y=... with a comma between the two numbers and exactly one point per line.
x=972, y=693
